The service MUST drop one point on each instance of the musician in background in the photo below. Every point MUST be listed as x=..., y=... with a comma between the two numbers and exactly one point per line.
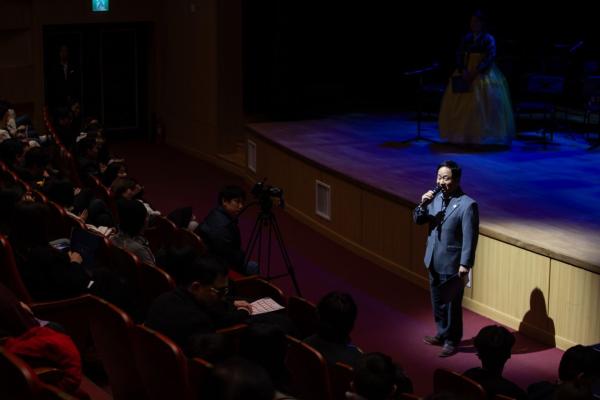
x=476, y=108
x=453, y=219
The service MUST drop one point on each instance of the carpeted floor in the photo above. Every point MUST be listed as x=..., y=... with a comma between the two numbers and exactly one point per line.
x=393, y=314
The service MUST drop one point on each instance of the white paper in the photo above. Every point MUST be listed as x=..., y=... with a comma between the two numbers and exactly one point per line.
x=265, y=305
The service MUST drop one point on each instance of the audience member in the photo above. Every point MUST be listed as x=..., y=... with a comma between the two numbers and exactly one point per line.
x=238, y=379
x=87, y=157
x=132, y=222
x=35, y=167
x=336, y=315
x=198, y=305
x=494, y=344
x=266, y=345
x=12, y=152
x=63, y=125
x=48, y=274
x=211, y=347
x=113, y=171
x=15, y=317
x=374, y=378
x=574, y=390
x=221, y=233
x=578, y=363
x=9, y=198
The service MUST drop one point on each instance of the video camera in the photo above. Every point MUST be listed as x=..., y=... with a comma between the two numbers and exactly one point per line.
x=266, y=193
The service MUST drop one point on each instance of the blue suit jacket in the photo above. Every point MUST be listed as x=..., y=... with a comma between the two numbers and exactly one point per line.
x=453, y=233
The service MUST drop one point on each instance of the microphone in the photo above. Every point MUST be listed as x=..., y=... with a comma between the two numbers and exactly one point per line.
x=435, y=191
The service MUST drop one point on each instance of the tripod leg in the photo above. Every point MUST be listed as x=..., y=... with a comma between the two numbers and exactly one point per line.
x=269, y=248
x=284, y=254
x=254, y=236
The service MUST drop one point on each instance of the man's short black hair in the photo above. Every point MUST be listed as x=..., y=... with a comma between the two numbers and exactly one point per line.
x=266, y=345
x=204, y=269
x=36, y=157
x=121, y=185
x=231, y=192
x=374, y=376
x=337, y=313
x=60, y=191
x=453, y=166
x=494, y=344
x=578, y=360
x=132, y=216
x=10, y=150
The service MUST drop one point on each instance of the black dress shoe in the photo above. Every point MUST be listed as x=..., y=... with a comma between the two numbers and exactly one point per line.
x=447, y=351
x=433, y=340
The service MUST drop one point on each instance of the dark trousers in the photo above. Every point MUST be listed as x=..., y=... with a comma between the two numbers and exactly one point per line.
x=447, y=316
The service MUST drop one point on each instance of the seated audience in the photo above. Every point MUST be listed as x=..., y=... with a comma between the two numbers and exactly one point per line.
x=12, y=152
x=238, y=379
x=211, y=347
x=336, y=316
x=266, y=345
x=198, y=305
x=37, y=342
x=578, y=363
x=52, y=274
x=494, y=344
x=113, y=171
x=9, y=198
x=87, y=157
x=15, y=316
x=575, y=390
x=63, y=124
x=48, y=273
x=374, y=378
x=221, y=233
x=132, y=222
x=35, y=167
x=128, y=189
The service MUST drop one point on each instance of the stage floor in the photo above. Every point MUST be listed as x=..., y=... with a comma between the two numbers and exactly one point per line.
x=545, y=198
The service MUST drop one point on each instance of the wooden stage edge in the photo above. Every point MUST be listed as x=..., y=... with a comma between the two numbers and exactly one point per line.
x=527, y=288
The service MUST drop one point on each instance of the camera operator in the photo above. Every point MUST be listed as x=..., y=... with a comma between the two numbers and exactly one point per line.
x=221, y=233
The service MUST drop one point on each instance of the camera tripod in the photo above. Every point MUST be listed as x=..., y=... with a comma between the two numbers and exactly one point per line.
x=266, y=220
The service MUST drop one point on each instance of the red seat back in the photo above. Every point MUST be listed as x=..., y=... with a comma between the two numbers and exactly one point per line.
x=19, y=382
x=163, y=367
x=255, y=288
x=304, y=315
x=9, y=274
x=161, y=233
x=183, y=237
x=153, y=282
x=308, y=369
x=463, y=387
x=111, y=332
x=233, y=337
x=125, y=263
x=341, y=376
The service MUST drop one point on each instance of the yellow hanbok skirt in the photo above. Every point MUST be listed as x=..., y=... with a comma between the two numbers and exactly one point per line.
x=483, y=115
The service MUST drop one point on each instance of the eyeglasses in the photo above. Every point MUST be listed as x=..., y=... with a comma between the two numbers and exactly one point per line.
x=221, y=292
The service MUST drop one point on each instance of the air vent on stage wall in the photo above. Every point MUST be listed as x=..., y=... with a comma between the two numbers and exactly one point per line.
x=251, y=156
x=323, y=200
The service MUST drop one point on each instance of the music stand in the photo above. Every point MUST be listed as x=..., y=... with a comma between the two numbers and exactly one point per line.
x=591, y=93
x=542, y=91
x=420, y=73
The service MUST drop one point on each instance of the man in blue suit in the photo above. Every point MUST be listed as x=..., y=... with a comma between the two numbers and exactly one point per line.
x=453, y=220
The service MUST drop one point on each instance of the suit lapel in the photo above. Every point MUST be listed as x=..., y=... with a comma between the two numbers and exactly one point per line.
x=453, y=205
